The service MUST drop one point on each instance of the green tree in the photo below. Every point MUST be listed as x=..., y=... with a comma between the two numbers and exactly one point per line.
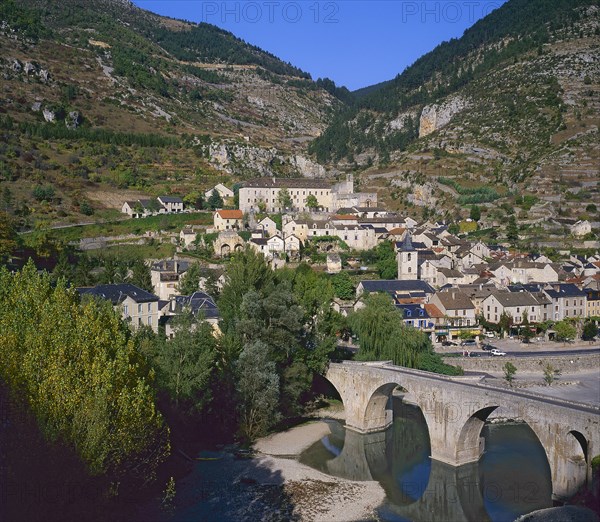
x=190, y=281
x=186, y=362
x=215, y=201
x=526, y=331
x=387, y=264
x=8, y=235
x=284, y=200
x=258, y=389
x=509, y=372
x=590, y=330
x=383, y=336
x=505, y=322
x=565, y=330
x=7, y=199
x=550, y=374
x=312, y=203
x=141, y=276
x=343, y=286
x=512, y=230
x=81, y=375
x=246, y=271
x=475, y=214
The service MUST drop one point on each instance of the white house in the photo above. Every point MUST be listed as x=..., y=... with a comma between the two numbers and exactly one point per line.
x=221, y=189
x=581, y=228
x=268, y=226
x=172, y=204
x=136, y=306
x=187, y=236
x=292, y=244
x=228, y=219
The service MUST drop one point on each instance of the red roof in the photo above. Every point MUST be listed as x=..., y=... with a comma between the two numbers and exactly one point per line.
x=433, y=311
x=230, y=214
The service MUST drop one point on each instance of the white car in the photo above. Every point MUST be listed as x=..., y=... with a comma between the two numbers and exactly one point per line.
x=497, y=352
x=489, y=335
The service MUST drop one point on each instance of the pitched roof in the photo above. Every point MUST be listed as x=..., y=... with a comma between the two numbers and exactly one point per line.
x=455, y=300
x=393, y=286
x=170, y=199
x=230, y=214
x=198, y=302
x=433, y=311
x=116, y=294
x=564, y=290
x=288, y=183
x=512, y=299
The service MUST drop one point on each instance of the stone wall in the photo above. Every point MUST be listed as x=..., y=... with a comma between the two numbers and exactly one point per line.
x=563, y=363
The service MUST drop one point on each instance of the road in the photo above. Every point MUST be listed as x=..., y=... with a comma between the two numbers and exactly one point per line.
x=552, y=353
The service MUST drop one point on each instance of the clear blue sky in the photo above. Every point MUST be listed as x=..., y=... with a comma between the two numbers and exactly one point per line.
x=356, y=43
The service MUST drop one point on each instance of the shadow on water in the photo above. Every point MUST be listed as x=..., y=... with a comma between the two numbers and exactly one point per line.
x=512, y=478
x=41, y=481
x=226, y=489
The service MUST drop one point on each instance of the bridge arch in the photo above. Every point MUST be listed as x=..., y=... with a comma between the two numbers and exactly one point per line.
x=469, y=446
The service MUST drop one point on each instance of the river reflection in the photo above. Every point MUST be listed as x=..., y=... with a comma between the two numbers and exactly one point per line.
x=512, y=477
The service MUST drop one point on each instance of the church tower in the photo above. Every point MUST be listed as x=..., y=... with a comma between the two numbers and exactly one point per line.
x=407, y=260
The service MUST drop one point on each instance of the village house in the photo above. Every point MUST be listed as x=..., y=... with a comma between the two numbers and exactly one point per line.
x=187, y=236
x=514, y=304
x=592, y=293
x=148, y=207
x=140, y=208
x=222, y=190
x=171, y=204
x=228, y=220
x=580, y=228
x=136, y=306
x=456, y=307
x=199, y=304
x=165, y=276
x=268, y=226
x=568, y=301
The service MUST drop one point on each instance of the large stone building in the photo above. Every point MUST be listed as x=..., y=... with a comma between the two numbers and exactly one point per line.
x=136, y=306
x=263, y=193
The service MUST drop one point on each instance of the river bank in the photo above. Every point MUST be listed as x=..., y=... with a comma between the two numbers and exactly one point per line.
x=269, y=484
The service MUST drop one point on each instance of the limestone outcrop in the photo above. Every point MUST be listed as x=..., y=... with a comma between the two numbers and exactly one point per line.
x=436, y=116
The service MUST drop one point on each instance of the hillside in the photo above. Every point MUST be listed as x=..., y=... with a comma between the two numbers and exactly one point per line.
x=510, y=109
x=100, y=97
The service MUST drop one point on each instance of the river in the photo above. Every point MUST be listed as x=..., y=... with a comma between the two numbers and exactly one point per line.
x=511, y=478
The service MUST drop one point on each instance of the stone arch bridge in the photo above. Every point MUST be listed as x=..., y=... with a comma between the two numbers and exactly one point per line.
x=456, y=408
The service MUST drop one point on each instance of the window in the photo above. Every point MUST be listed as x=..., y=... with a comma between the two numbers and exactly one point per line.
x=408, y=313
x=409, y=269
x=125, y=310
x=488, y=308
x=149, y=307
x=408, y=257
x=149, y=321
x=139, y=309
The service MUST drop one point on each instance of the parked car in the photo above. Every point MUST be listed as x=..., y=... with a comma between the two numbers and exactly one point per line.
x=449, y=343
x=490, y=335
x=495, y=352
x=469, y=342
x=488, y=347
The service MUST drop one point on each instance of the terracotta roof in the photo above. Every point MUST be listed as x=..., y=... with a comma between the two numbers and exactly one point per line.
x=397, y=231
x=349, y=217
x=230, y=214
x=433, y=311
